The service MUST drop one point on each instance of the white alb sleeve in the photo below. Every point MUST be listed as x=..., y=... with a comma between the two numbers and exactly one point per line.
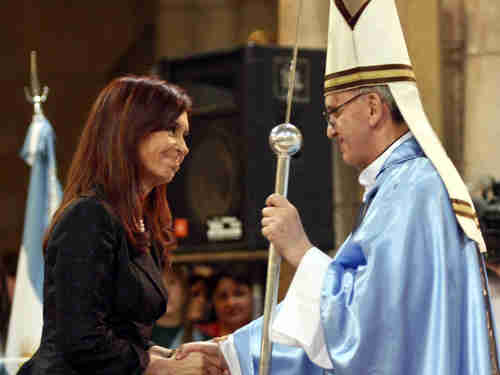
x=298, y=321
x=228, y=350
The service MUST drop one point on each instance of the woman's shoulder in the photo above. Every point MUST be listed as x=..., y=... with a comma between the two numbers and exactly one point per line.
x=88, y=210
x=87, y=206
x=85, y=224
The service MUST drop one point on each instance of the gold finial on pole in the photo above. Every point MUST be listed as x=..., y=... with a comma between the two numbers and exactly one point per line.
x=35, y=96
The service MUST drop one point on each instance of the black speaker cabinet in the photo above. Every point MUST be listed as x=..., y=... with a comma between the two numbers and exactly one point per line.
x=238, y=97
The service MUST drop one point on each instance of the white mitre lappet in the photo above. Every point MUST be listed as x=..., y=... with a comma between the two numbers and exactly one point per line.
x=366, y=47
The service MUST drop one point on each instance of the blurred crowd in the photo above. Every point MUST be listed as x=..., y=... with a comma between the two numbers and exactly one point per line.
x=206, y=301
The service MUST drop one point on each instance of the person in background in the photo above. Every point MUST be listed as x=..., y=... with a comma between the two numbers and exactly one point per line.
x=10, y=259
x=494, y=284
x=109, y=240
x=486, y=198
x=232, y=299
x=5, y=306
x=199, y=304
x=175, y=327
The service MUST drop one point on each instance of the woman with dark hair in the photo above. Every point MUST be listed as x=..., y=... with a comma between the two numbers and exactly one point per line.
x=108, y=242
x=232, y=299
x=200, y=305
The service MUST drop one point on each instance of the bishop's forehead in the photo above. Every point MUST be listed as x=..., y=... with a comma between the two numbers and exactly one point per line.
x=351, y=9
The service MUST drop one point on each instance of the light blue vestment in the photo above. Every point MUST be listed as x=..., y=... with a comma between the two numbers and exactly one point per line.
x=286, y=360
x=403, y=294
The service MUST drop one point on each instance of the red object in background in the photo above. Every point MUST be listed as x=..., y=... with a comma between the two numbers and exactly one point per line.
x=181, y=227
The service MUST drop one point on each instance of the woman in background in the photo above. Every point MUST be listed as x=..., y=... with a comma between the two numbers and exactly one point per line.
x=232, y=298
x=107, y=244
x=200, y=306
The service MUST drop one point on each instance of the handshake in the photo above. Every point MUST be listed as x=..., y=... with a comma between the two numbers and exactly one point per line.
x=195, y=358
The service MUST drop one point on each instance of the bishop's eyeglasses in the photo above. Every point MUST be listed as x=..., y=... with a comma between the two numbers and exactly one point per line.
x=334, y=113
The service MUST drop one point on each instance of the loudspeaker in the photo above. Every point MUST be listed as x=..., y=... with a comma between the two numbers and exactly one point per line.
x=238, y=96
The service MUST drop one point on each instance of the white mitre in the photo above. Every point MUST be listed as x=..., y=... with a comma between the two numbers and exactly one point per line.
x=366, y=47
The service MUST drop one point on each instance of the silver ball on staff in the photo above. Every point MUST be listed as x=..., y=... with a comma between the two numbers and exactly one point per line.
x=285, y=139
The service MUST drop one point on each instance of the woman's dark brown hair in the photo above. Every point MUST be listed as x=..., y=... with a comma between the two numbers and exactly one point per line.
x=126, y=111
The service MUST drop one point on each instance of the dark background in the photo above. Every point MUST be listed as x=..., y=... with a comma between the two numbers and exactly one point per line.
x=80, y=46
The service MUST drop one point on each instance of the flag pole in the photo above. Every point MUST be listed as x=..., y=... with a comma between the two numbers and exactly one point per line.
x=35, y=96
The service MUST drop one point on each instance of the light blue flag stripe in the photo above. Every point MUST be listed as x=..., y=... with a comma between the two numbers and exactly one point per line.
x=44, y=195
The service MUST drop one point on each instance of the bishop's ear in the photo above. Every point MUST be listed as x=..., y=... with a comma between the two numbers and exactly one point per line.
x=376, y=108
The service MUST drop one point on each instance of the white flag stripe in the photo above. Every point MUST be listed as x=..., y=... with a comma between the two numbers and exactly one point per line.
x=54, y=193
x=24, y=331
x=34, y=137
x=14, y=360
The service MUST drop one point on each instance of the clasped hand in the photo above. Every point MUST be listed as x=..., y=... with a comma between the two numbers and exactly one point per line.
x=195, y=358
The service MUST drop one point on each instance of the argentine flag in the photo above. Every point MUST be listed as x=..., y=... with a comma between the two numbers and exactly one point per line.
x=44, y=196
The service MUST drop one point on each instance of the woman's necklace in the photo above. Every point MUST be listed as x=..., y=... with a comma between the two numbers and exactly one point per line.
x=142, y=228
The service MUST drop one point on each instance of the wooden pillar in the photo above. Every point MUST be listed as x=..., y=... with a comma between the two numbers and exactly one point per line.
x=216, y=25
x=175, y=28
x=453, y=67
x=482, y=112
x=313, y=26
x=421, y=26
x=257, y=15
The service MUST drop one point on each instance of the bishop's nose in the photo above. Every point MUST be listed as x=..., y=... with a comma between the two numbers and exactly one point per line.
x=331, y=132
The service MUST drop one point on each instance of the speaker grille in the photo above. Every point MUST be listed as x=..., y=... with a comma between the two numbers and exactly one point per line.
x=213, y=175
